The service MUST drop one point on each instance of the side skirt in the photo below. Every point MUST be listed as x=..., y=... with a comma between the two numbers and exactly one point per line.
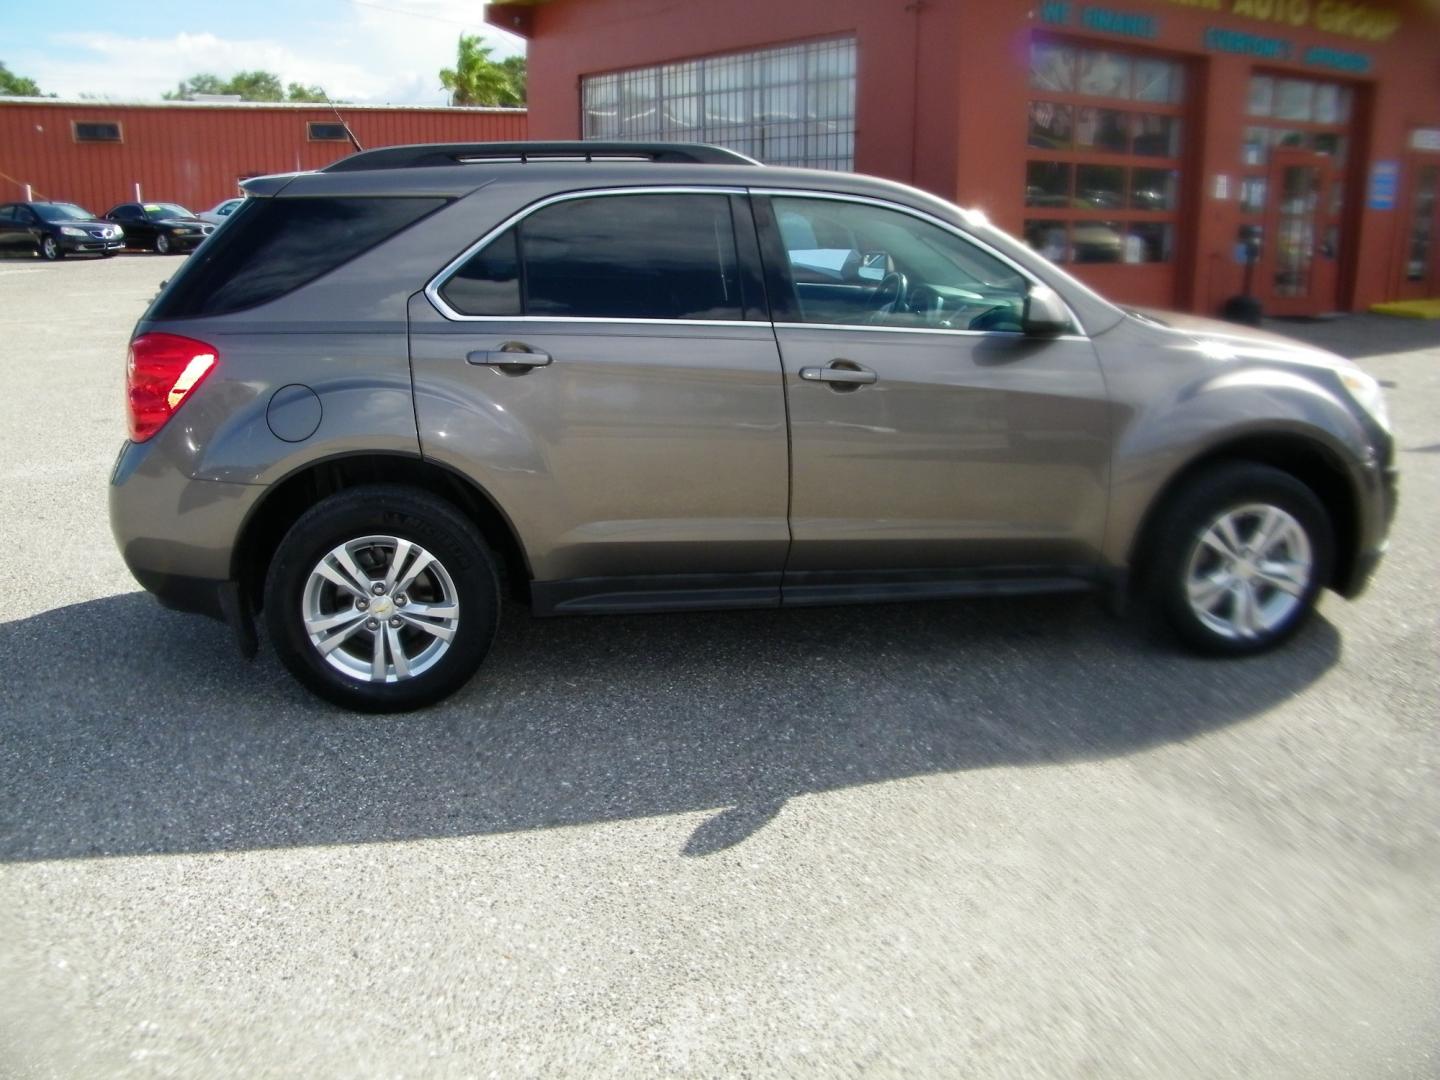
x=701, y=592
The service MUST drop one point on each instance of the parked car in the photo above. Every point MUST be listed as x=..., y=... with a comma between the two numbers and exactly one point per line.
x=56, y=229
x=614, y=382
x=217, y=214
x=166, y=228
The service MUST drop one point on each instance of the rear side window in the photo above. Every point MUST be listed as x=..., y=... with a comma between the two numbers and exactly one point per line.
x=274, y=246
x=615, y=257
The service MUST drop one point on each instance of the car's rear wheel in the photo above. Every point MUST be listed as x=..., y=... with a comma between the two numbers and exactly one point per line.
x=382, y=598
x=162, y=244
x=1239, y=559
x=50, y=249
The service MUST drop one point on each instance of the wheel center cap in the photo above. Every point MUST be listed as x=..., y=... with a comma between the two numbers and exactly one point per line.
x=381, y=606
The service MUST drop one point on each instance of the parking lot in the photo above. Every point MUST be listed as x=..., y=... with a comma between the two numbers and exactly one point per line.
x=1008, y=838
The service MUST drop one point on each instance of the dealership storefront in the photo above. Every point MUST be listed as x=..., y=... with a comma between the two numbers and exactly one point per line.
x=1140, y=143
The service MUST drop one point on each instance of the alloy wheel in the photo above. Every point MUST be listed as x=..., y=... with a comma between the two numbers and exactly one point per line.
x=380, y=609
x=1249, y=571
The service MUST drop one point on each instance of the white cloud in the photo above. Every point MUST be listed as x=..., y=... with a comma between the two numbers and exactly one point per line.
x=371, y=54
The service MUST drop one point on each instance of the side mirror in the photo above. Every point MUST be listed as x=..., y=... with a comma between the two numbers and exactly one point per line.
x=1044, y=314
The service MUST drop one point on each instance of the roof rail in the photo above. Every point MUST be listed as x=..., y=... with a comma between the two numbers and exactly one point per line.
x=431, y=154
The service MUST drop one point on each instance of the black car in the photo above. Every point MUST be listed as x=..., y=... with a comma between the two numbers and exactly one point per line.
x=56, y=229
x=165, y=227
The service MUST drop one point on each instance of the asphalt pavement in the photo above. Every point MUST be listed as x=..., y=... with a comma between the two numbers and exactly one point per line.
x=999, y=838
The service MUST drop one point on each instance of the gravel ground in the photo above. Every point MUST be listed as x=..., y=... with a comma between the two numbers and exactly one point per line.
x=984, y=839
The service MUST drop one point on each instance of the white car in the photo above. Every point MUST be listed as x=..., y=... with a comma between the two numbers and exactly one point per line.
x=217, y=214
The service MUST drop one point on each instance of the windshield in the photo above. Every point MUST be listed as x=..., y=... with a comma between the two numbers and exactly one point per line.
x=61, y=211
x=160, y=211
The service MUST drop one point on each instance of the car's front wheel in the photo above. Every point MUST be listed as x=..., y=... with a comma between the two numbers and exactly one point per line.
x=1239, y=559
x=382, y=599
x=162, y=244
x=50, y=249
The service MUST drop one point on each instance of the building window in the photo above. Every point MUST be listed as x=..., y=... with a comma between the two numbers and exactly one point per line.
x=793, y=105
x=320, y=131
x=96, y=131
x=1104, y=132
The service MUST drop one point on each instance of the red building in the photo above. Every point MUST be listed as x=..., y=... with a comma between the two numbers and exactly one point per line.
x=1136, y=140
x=195, y=153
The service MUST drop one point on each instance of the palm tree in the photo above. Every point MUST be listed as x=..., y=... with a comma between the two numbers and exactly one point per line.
x=476, y=79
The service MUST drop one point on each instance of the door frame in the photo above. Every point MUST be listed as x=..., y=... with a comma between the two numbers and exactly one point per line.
x=1320, y=297
x=1428, y=286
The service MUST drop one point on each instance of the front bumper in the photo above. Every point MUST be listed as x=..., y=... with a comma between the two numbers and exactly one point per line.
x=90, y=246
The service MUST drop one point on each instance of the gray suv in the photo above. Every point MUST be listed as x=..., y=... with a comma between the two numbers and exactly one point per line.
x=630, y=377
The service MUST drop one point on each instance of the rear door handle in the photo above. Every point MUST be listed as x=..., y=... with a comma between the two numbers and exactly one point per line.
x=850, y=375
x=513, y=354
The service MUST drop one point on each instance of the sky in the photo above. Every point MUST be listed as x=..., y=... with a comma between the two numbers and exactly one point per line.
x=358, y=50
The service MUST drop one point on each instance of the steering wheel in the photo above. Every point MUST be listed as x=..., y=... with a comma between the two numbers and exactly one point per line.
x=890, y=295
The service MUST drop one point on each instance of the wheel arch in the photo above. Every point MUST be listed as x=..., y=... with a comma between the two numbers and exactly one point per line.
x=288, y=498
x=1307, y=459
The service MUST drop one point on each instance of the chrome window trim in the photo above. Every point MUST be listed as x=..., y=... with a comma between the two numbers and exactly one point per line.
x=866, y=328
x=432, y=290
x=885, y=204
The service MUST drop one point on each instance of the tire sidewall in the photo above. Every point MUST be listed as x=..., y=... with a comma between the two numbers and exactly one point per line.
x=50, y=249
x=1229, y=489
x=426, y=522
x=162, y=244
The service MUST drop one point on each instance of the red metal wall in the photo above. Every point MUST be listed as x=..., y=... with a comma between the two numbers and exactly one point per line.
x=942, y=91
x=194, y=154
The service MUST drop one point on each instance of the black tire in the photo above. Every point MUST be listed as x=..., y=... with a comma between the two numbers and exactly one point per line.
x=162, y=244
x=50, y=249
x=404, y=513
x=1175, y=540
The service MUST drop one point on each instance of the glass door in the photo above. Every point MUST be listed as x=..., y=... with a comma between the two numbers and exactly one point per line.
x=1297, y=266
x=1420, y=277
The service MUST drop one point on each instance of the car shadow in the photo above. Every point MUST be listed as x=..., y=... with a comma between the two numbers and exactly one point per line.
x=127, y=730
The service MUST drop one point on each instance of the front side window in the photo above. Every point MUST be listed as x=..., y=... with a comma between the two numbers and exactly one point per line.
x=664, y=256
x=860, y=265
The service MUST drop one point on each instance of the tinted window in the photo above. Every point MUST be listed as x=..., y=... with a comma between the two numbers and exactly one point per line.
x=616, y=257
x=96, y=132
x=62, y=212
x=273, y=246
x=7, y=214
x=489, y=282
x=857, y=264
x=632, y=257
x=323, y=132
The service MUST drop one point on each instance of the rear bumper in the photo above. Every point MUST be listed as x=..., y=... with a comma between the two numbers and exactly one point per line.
x=177, y=535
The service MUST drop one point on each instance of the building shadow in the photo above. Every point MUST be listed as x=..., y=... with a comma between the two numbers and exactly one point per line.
x=128, y=730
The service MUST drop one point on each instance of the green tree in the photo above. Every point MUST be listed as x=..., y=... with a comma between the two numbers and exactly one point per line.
x=300, y=92
x=249, y=85
x=515, y=67
x=12, y=85
x=477, y=80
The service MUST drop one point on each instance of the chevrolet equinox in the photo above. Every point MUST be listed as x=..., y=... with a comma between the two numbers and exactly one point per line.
x=616, y=377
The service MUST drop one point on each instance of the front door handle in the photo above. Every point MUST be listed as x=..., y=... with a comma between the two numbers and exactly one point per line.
x=840, y=373
x=514, y=355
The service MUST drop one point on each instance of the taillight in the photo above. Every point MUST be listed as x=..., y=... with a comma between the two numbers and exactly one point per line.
x=161, y=372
